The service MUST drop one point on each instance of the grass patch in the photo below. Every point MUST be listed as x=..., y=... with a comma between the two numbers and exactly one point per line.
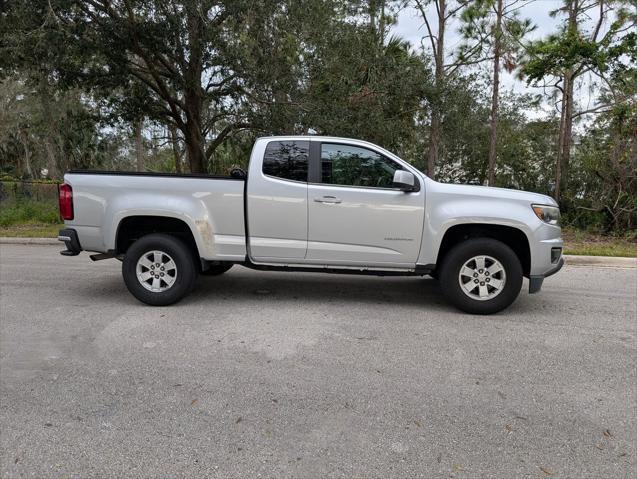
x=31, y=230
x=591, y=244
x=29, y=219
x=28, y=212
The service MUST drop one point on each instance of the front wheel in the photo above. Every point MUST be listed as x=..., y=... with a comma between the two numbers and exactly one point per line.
x=481, y=276
x=159, y=269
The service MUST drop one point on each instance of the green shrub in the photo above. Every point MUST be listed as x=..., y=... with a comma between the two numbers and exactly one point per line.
x=28, y=212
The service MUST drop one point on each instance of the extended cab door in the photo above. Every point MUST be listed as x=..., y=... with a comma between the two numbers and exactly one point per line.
x=356, y=217
x=277, y=200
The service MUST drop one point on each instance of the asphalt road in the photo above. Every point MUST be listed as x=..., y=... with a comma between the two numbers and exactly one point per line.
x=307, y=375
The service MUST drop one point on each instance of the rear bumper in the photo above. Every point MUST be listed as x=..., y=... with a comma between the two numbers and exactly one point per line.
x=71, y=241
x=535, y=281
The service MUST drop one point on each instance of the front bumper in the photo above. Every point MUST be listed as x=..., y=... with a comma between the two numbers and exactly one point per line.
x=71, y=241
x=535, y=281
x=546, y=248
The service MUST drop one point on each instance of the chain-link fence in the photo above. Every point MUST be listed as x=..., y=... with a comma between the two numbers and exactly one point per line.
x=16, y=191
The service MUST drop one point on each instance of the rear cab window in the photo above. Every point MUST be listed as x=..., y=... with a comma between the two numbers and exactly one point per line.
x=287, y=160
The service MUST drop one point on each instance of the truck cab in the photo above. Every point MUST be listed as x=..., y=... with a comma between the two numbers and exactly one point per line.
x=331, y=201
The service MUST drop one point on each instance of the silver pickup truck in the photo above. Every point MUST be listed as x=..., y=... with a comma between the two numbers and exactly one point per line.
x=318, y=204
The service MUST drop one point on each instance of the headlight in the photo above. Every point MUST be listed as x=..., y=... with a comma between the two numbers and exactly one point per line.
x=548, y=214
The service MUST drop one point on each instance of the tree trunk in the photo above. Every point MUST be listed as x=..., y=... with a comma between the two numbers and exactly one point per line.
x=372, y=16
x=567, y=137
x=27, y=157
x=45, y=102
x=139, y=145
x=493, y=141
x=566, y=121
x=193, y=93
x=195, y=153
x=434, y=142
x=558, y=153
x=176, y=150
x=436, y=107
x=376, y=11
x=381, y=24
x=51, y=162
x=193, y=137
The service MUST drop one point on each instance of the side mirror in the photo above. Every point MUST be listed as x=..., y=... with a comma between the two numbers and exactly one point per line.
x=405, y=180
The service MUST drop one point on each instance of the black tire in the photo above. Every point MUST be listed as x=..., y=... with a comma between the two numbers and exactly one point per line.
x=217, y=269
x=464, y=252
x=171, y=247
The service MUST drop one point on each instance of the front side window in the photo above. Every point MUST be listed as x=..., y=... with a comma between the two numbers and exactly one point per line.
x=287, y=160
x=354, y=166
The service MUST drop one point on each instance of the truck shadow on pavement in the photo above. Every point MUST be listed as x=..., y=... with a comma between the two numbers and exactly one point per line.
x=319, y=287
x=283, y=288
x=241, y=284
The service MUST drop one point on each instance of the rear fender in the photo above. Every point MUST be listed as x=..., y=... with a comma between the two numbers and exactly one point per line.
x=192, y=213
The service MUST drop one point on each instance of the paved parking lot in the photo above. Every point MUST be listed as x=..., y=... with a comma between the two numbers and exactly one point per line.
x=308, y=375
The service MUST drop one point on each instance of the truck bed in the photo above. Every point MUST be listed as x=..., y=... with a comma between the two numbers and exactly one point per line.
x=211, y=206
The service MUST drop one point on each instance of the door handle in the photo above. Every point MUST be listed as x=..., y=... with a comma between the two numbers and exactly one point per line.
x=327, y=199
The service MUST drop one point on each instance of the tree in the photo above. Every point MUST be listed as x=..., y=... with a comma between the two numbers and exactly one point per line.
x=359, y=88
x=181, y=53
x=604, y=180
x=573, y=52
x=437, y=42
x=442, y=13
x=607, y=168
x=525, y=146
x=493, y=30
x=31, y=133
x=497, y=52
x=353, y=81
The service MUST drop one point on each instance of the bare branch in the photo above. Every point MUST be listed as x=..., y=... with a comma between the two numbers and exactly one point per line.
x=431, y=36
x=599, y=22
x=598, y=109
x=453, y=67
x=212, y=146
x=455, y=10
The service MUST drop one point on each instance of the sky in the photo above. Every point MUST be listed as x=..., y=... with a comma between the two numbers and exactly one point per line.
x=411, y=28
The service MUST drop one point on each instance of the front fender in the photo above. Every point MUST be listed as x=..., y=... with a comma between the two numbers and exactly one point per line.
x=444, y=214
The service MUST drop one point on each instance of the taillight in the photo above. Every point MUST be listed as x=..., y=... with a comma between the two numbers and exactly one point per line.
x=66, y=201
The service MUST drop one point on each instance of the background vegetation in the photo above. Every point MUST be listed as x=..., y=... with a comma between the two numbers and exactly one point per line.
x=186, y=86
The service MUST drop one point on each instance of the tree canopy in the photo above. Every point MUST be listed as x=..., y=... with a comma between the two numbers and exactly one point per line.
x=187, y=85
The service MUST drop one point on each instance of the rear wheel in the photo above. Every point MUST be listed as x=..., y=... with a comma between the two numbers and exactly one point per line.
x=481, y=276
x=159, y=269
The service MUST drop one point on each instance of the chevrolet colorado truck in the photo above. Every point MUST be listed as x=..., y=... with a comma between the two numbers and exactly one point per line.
x=318, y=204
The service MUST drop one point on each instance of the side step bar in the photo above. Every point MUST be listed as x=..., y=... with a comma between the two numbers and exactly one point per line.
x=108, y=255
